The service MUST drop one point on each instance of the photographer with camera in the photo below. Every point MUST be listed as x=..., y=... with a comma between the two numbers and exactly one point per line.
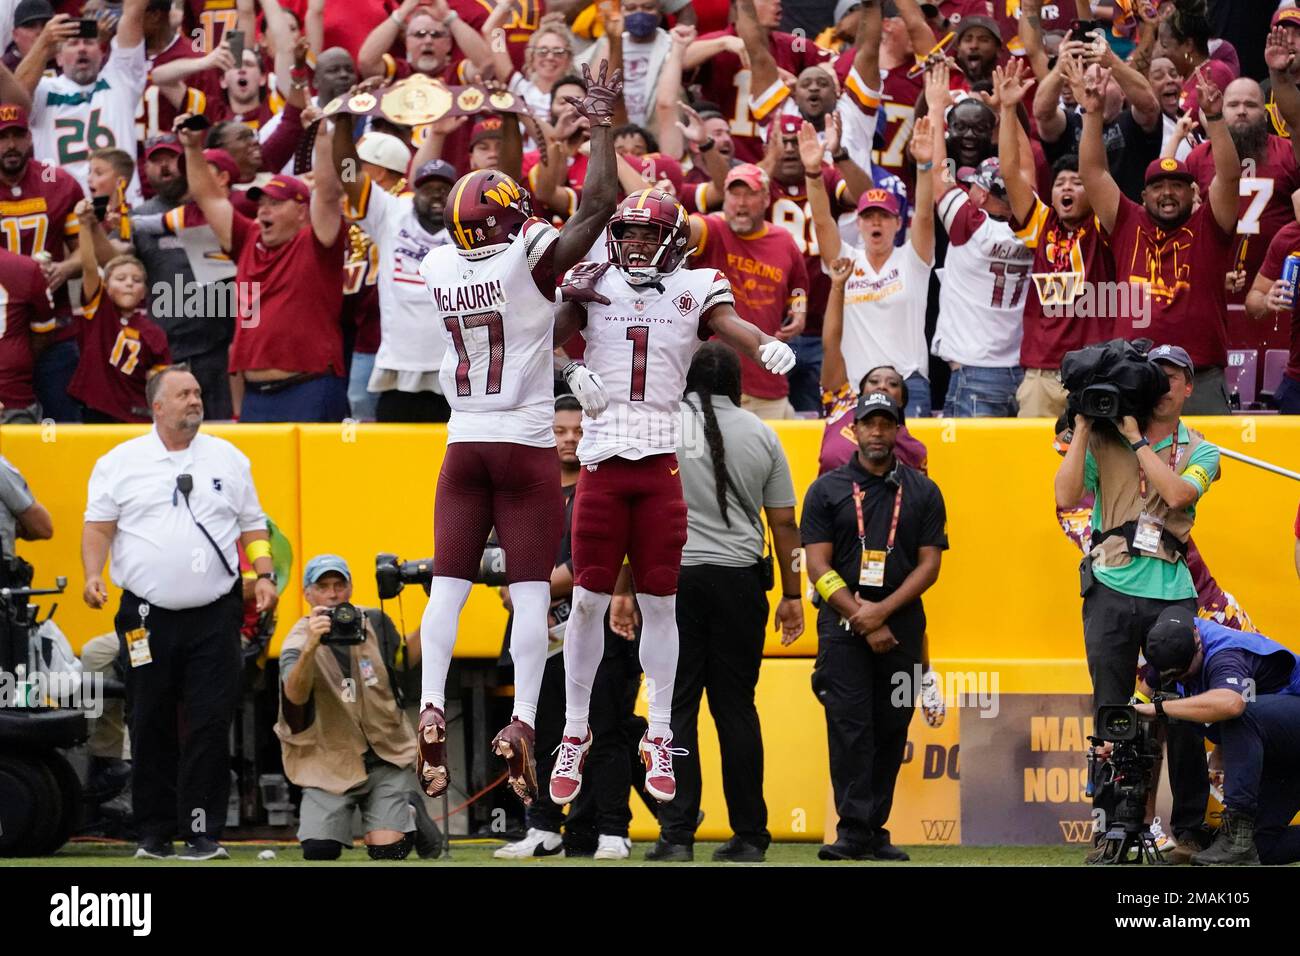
x=1243, y=692
x=343, y=736
x=1147, y=478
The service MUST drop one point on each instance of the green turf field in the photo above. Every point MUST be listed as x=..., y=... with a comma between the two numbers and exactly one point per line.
x=479, y=853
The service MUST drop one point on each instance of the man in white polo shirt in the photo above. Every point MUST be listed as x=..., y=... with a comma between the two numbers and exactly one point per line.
x=404, y=229
x=168, y=507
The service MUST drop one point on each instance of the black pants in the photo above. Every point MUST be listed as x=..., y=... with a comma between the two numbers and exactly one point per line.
x=1114, y=629
x=1261, y=771
x=866, y=729
x=395, y=406
x=721, y=618
x=178, y=710
x=602, y=807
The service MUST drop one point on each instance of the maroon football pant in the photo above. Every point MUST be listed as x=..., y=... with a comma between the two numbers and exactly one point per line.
x=633, y=509
x=514, y=488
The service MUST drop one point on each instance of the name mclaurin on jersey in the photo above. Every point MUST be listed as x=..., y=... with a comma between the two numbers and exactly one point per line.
x=469, y=298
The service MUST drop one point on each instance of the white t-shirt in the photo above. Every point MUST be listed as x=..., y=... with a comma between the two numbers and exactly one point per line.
x=636, y=75
x=641, y=346
x=884, y=314
x=983, y=285
x=498, y=328
x=70, y=121
x=410, y=339
x=159, y=553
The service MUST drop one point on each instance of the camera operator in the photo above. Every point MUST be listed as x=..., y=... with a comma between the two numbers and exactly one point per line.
x=1244, y=691
x=343, y=736
x=874, y=531
x=1147, y=482
x=22, y=516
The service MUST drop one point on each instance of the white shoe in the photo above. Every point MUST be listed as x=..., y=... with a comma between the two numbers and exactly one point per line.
x=613, y=848
x=1162, y=841
x=535, y=843
x=932, y=704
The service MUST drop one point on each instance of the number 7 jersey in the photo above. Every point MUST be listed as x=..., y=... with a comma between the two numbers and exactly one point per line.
x=497, y=373
x=641, y=346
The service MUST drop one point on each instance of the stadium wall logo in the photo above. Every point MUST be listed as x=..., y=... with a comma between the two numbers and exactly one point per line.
x=938, y=831
x=75, y=909
x=1076, y=831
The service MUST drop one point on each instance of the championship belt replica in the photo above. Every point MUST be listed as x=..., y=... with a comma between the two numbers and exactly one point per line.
x=418, y=100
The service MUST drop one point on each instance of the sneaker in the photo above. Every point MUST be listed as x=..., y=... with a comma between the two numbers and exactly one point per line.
x=155, y=850
x=613, y=848
x=932, y=706
x=431, y=751
x=737, y=850
x=535, y=843
x=566, y=777
x=1164, y=842
x=515, y=745
x=657, y=756
x=665, y=852
x=1234, y=845
x=201, y=848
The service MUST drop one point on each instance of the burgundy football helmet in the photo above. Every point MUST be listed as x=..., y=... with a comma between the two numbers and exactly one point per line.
x=655, y=208
x=485, y=212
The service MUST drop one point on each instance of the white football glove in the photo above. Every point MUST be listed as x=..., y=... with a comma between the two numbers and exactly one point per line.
x=587, y=388
x=777, y=357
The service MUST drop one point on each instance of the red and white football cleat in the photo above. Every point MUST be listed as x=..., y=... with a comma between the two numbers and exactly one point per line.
x=657, y=756
x=566, y=777
x=431, y=751
x=515, y=744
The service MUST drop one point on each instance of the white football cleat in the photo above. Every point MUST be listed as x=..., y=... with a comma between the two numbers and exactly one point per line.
x=613, y=848
x=535, y=843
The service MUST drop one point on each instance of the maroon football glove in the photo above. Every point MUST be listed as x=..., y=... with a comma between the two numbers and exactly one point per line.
x=579, y=283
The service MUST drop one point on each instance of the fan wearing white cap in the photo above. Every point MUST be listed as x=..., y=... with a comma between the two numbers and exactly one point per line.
x=404, y=228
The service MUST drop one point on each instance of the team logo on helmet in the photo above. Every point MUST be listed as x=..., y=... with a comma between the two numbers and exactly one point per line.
x=504, y=193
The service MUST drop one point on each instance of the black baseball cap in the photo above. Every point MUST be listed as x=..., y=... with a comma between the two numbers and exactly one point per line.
x=1171, y=642
x=878, y=403
x=434, y=169
x=32, y=11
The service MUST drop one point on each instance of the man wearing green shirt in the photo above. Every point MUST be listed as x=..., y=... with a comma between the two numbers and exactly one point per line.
x=1147, y=479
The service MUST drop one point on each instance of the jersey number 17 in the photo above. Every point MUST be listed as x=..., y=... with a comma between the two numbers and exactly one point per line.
x=496, y=349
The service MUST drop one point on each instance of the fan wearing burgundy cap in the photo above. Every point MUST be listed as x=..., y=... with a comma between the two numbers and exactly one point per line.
x=405, y=228
x=288, y=346
x=1178, y=253
x=28, y=184
x=492, y=296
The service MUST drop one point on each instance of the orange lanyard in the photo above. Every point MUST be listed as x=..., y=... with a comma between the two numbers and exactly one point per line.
x=858, y=495
x=1173, y=464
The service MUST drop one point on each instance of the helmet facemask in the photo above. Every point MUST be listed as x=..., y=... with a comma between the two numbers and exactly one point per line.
x=643, y=261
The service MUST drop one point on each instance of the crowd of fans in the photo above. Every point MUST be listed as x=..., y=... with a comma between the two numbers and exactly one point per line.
x=177, y=144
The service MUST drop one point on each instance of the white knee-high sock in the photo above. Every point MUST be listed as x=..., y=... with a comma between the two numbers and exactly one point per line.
x=659, y=646
x=528, y=639
x=447, y=596
x=584, y=646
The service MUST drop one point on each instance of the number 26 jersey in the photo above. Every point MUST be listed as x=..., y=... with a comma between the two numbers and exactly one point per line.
x=497, y=373
x=641, y=346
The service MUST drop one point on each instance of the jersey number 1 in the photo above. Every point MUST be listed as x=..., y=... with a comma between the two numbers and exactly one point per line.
x=496, y=349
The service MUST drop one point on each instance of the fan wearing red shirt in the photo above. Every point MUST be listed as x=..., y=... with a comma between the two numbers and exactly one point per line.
x=289, y=279
x=1270, y=174
x=768, y=278
x=1178, y=255
x=1270, y=302
x=26, y=309
x=120, y=345
x=715, y=58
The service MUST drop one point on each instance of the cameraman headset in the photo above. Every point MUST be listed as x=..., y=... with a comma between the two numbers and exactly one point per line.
x=1241, y=690
x=343, y=736
x=1147, y=479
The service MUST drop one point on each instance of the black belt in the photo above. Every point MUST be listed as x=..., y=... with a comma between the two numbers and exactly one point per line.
x=1129, y=528
x=281, y=384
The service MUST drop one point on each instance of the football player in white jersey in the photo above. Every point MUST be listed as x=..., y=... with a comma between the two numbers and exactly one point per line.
x=494, y=302
x=643, y=323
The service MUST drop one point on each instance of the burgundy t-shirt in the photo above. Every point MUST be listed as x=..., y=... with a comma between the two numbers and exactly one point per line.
x=1169, y=262
x=117, y=354
x=26, y=310
x=290, y=319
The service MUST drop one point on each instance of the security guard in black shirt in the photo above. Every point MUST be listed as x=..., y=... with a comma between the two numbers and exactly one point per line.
x=873, y=531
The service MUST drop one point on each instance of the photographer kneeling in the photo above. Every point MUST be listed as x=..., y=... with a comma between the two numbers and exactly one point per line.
x=343, y=736
x=1242, y=691
x=1147, y=479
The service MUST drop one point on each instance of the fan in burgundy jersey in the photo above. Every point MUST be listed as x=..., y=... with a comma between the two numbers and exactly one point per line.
x=26, y=310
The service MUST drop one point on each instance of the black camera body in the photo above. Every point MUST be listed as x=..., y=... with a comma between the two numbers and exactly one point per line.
x=347, y=626
x=1109, y=381
x=393, y=574
x=1125, y=780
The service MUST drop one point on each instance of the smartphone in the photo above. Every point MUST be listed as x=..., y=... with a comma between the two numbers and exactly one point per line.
x=88, y=28
x=236, y=40
x=1081, y=30
x=197, y=122
x=101, y=206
